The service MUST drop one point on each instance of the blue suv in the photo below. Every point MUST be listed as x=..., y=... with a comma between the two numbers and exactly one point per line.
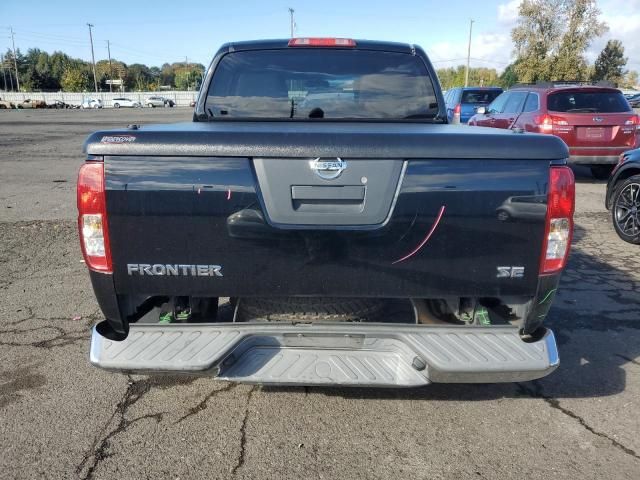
x=462, y=101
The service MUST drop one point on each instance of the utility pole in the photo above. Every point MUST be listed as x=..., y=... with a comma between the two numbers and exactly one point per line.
x=466, y=74
x=291, y=12
x=93, y=58
x=110, y=71
x=15, y=62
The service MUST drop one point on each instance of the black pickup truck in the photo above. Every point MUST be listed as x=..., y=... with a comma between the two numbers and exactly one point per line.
x=319, y=223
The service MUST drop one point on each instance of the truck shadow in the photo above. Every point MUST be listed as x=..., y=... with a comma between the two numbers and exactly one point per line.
x=582, y=174
x=596, y=319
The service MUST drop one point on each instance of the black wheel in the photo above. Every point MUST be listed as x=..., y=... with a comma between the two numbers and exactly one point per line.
x=601, y=172
x=503, y=215
x=309, y=309
x=116, y=105
x=626, y=210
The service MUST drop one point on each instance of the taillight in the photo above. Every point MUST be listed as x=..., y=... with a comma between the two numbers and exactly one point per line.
x=544, y=123
x=547, y=122
x=322, y=42
x=559, y=221
x=456, y=109
x=92, y=217
x=634, y=120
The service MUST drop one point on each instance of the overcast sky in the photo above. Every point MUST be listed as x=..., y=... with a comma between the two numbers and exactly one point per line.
x=158, y=32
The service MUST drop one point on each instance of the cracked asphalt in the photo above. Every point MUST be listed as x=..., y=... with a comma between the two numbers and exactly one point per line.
x=62, y=418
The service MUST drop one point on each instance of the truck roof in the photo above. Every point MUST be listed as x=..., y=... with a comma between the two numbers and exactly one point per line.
x=284, y=43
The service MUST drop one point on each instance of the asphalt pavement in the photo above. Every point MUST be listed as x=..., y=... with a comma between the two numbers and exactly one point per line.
x=62, y=418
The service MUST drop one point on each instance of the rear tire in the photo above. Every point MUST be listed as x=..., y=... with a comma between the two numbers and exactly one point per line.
x=503, y=215
x=309, y=309
x=601, y=172
x=116, y=105
x=626, y=220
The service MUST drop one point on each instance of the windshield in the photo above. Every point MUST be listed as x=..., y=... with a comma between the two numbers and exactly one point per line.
x=479, y=97
x=588, y=102
x=321, y=84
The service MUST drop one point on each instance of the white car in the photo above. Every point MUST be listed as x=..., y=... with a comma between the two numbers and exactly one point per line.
x=125, y=103
x=89, y=102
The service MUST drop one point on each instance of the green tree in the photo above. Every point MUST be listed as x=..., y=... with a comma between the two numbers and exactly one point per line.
x=38, y=74
x=630, y=80
x=478, y=76
x=509, y=77
x=76, y=79
x=610, y=63
x=583, y=26
x=188, y=76
x=10, y=64
x=551, y=37
x=138, y=77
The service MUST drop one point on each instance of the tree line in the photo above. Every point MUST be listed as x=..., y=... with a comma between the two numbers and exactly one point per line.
x=550, y=40
x=41, y=71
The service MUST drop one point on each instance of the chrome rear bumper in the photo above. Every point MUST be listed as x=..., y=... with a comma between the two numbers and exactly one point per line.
x=330, y=354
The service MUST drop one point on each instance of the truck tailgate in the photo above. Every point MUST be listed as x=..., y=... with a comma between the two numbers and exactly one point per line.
x=244, y=212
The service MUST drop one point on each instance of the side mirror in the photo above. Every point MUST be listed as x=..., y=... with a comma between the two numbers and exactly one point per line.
x=481, y=110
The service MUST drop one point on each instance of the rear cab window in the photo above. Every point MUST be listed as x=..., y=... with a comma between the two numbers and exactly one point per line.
x=303, y=84
x=479, y=97
x=591, y=101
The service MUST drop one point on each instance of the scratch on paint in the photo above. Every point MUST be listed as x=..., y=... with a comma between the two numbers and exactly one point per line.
x=426, y=239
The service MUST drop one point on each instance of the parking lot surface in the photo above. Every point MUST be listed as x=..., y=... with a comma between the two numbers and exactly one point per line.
x=62, y=418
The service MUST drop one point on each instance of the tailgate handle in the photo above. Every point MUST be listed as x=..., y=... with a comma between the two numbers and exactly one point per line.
x=347, y=193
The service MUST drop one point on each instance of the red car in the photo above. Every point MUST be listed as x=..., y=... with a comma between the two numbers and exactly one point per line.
x=595, y=122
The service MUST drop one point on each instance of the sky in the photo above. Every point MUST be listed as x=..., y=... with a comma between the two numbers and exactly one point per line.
x=157, y=32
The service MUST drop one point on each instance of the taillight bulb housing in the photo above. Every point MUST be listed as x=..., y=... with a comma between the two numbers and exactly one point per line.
x=92, y=217
x=559, y=220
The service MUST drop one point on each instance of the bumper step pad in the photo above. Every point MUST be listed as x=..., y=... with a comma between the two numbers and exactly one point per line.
x=330, y=354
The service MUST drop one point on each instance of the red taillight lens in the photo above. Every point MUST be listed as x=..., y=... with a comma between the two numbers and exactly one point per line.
x=634, y=120
x=322, y=42
x=456, y=109
x=92, y=217
x=544, y=123
x=559, y=221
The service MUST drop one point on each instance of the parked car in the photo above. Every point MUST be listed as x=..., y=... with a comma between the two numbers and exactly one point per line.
x=159, y=102
x=311, y=218
x=28, y=103
x=623, y=197
x=596, y=122
x=462, y=102
x=634, y=100
x=58, y=104
x=125, y=103
x=6, y=104
x=89, y=102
